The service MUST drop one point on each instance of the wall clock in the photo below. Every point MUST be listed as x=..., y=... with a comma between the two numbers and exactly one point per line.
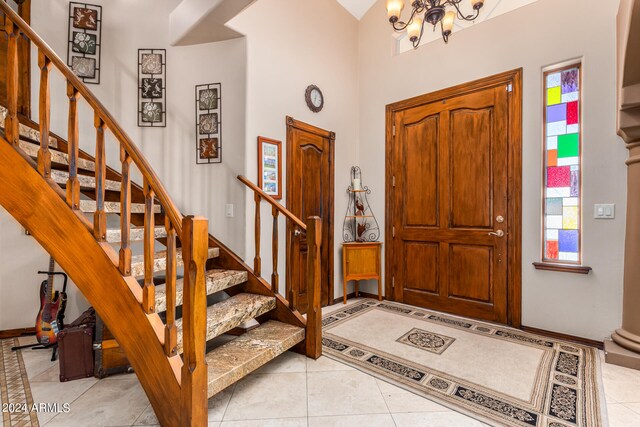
x=315, y=99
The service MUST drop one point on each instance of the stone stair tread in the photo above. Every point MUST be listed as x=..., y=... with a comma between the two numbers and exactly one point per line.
x=25, y=131
x=114, y=235
x=160, y=261
x=216, y=281
x=86, y=181
x=57, y=157
x=230, y=313
x=89, y=206
x=236, y=359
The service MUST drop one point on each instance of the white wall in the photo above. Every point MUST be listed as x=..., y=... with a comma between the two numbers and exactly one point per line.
x=543, y=33
x=196, y=189
x=290, y=45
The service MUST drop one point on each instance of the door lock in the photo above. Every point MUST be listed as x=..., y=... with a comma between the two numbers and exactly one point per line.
x=297, y=232
x=500, y=219
x=498, y=233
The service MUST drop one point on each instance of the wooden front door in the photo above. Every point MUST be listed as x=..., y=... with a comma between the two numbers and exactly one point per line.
x=449, y=207
x=309, y=192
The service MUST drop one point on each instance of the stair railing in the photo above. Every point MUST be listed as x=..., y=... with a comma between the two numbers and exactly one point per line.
x=313, y=231
x=191, y=232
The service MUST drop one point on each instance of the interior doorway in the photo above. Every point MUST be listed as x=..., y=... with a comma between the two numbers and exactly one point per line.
x=310, y=191
x=453, y=184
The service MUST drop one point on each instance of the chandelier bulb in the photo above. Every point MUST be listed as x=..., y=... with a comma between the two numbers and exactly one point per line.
x=477, y=4
x=394, y=9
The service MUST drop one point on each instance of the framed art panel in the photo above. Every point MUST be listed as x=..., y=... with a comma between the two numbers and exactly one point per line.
x=152, y=89
x=270, y=166
x=84, y=41
x=209, y=123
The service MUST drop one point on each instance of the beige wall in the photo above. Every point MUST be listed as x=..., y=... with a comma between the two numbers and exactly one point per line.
x=535, y=36
x=196, y=189
x=290, y=45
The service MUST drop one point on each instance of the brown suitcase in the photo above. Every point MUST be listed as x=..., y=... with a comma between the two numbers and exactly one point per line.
x=75, y=346
x=110, y=359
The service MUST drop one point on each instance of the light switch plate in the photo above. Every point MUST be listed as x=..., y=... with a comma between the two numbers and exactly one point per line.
x=228, y=210
x=604, y=211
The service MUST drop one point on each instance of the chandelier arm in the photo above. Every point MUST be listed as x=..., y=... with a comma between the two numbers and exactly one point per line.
x=461, y=15
x=401, y=26
x=417, y=42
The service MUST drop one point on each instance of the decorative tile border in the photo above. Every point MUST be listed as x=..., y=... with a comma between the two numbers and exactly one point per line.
x=15, y=391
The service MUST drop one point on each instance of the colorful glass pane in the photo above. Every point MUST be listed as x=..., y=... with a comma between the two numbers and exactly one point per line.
x=562, y=140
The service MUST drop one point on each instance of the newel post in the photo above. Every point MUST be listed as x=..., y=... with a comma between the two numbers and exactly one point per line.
x=195, y=238
x=314, y=273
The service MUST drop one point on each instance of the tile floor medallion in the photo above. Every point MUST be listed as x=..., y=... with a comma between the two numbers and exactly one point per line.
x=15, y=393
x=497, y=375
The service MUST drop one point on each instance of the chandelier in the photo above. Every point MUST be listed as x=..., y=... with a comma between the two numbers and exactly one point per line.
x=432, y=12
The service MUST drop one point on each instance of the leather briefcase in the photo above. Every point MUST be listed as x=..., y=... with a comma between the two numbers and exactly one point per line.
x=75, y=346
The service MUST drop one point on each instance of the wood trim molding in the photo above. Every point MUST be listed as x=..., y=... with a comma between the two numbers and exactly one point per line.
x=15, y=333
x=514, y=232
x=565, y=337
x=564, y=268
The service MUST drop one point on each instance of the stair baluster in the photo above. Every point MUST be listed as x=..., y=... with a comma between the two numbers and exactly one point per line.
x=274, y=252
x=11, y=121
x=125, y=213
x=73, y=185
x=100, y=216
x=314, y=272
x=257, y=263
x=44, y=155
x=148, y=289
x=170, y=331
x=195, y=244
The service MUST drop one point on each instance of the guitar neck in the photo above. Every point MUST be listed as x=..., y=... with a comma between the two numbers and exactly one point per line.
x=52, y=266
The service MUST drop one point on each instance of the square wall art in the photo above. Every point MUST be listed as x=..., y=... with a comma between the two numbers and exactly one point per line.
x=152, y=90
x=84, y=41
x=209, y=123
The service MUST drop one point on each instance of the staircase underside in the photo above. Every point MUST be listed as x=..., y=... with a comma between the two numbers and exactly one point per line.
x=89, y=263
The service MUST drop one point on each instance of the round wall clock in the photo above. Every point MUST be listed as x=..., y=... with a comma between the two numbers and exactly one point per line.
x=315, y=99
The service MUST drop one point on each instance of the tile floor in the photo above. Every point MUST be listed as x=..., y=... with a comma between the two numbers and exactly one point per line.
x=291, y=391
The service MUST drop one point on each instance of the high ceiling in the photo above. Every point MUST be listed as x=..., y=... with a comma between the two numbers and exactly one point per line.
x=357, y=7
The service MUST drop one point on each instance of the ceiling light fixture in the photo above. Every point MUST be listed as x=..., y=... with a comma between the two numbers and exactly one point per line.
x=432, y=12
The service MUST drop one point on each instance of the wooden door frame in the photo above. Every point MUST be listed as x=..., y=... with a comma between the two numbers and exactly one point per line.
x=331, y=136
x=514, y=179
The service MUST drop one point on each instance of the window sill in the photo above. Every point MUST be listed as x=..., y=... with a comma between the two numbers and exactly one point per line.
x=564, y=268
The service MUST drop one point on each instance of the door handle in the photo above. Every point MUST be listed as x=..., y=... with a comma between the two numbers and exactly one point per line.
x=297, y=232
x=498, y=233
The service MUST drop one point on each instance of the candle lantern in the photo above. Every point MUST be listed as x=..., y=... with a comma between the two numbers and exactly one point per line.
x=360, y=225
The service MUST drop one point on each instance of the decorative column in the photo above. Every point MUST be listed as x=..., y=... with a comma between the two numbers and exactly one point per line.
x=624, y=347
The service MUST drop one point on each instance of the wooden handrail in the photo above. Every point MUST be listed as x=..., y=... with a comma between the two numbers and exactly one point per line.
x=273, y=202
x=127, y=144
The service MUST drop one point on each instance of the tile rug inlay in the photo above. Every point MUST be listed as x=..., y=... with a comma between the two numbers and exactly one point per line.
x=15, y=391
x=493, y=373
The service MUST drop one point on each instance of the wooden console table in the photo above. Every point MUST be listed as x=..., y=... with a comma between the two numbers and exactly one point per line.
x=362, y=261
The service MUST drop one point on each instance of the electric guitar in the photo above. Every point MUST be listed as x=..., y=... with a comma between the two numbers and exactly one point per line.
x=52, y=305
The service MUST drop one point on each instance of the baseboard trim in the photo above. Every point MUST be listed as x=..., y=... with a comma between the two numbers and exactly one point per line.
x=565, y=337
x=15, y=333
x=360, y=295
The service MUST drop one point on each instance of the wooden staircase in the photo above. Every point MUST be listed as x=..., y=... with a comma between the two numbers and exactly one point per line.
x=154, y=302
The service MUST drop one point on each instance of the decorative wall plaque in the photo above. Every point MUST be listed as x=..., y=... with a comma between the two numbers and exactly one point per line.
x=84, y=41
x=209, y=123
x=152, y=90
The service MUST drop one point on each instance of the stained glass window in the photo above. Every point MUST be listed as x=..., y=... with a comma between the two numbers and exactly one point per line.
x=562, y=147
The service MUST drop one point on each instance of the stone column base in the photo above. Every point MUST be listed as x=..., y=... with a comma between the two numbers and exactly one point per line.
x=617, y=355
